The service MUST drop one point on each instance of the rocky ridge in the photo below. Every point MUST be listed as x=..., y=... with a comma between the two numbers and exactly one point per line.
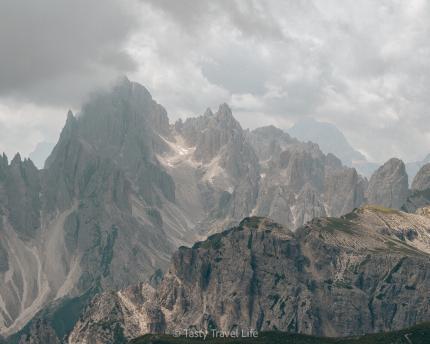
x=332, y=277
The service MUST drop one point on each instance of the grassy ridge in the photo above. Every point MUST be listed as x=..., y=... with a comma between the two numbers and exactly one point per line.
x=416, y=335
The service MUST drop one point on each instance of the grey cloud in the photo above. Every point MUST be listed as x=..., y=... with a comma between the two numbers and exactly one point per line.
x=361, y=65
x=237, y=69
x=249, y=17
x=56, y=50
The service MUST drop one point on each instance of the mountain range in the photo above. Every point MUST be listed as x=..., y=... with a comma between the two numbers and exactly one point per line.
x=124, y=188
x=365, y=272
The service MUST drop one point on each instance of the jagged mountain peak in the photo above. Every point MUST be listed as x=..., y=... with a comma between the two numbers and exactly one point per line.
x=128, y=104
x=122, y=124
x=224, y=112
x=125, y=88
x=208, y=113
x=4, y=163
x=225, y=116
x=222, y=118
x=212, y=131
x=16, y=160
x=70, y=115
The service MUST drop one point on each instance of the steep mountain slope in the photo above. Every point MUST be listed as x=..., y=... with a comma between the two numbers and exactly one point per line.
x=333, y=277
x=412, y=168
x=422, y=179
x=420, y=193
x=388, y=186
x=89, y=219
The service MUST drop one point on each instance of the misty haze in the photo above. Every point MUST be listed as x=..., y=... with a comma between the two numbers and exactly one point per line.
x=224, y=171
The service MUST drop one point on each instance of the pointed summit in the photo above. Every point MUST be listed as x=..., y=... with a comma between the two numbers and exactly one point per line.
x=16, y=160
x=5, y=159
x=208, y=113
x=224, y=117
x=71, y=120
x=224, y=112
x=126, y=89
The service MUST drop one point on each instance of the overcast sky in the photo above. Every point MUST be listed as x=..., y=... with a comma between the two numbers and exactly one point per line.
x=362, y=65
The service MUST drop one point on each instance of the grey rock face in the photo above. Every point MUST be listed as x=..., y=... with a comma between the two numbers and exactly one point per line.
x=422, y=179
x=412, y=168
x=123, y=189
x=416, y=200
x=92, y=217
x=299, y=182
x=419, y=196
x=4, y=259
x=22, y=189
x=224, y=165
x=365, y=272
x=268, y=142
x=344, y=190
x=388, y=186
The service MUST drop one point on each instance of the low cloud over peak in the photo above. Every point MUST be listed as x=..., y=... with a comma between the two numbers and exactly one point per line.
x=363, y=66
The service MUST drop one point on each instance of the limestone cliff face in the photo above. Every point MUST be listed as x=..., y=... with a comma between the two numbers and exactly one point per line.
x=420, y=194
x=365, y=272
x=422, y=179
x=298, y=182
x=268, y=142
x=225, y=165
x=91, y=219
x=388, y=186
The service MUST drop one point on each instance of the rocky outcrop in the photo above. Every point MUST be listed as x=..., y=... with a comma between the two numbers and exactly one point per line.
x=421, y=181
x=388, y=186
x=365, y=272
x=419, y=196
